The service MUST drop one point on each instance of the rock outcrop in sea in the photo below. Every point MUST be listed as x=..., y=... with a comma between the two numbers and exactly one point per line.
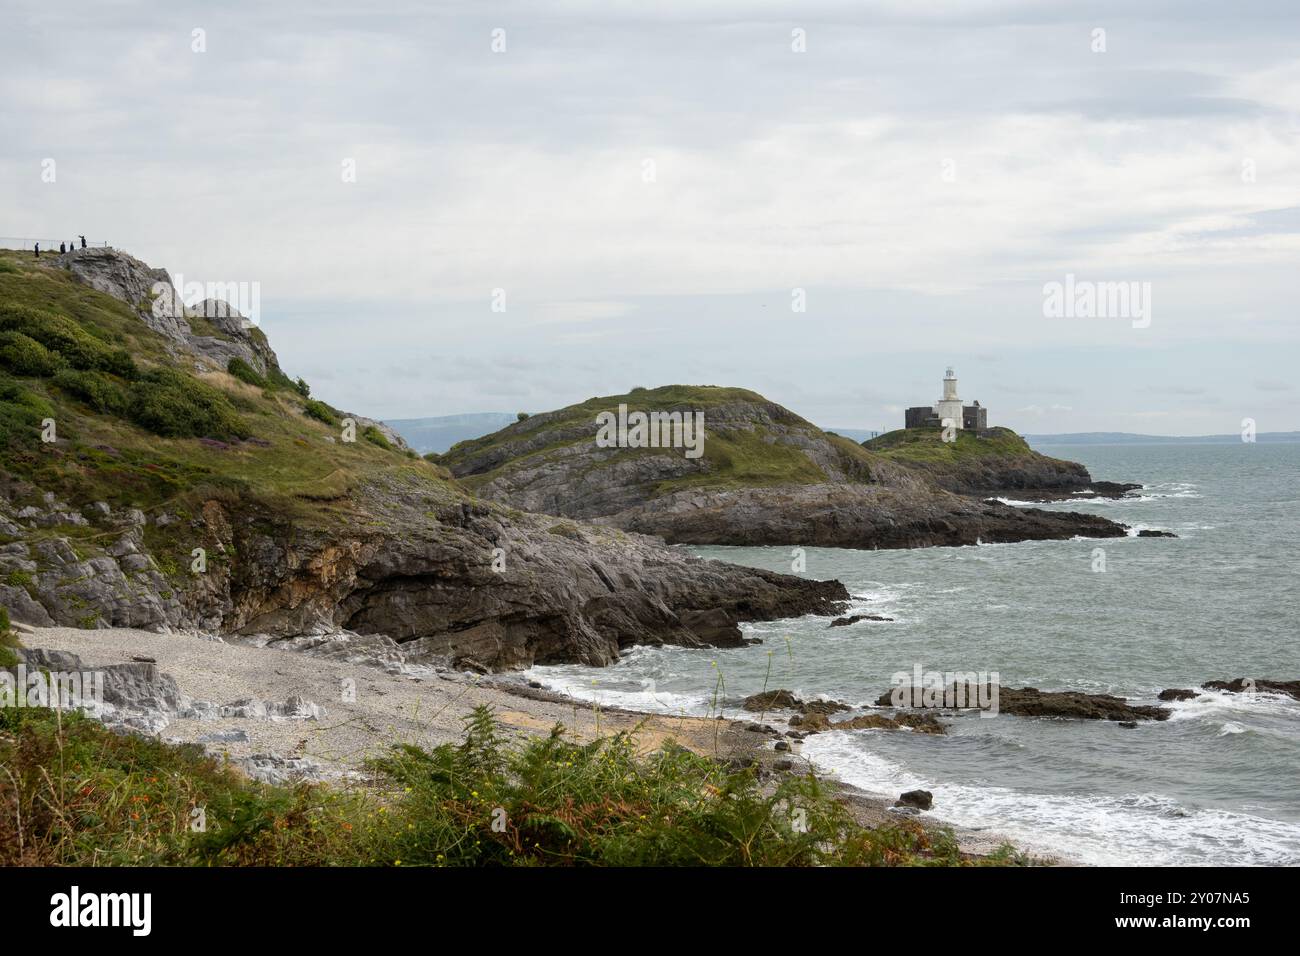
x=1032, y=702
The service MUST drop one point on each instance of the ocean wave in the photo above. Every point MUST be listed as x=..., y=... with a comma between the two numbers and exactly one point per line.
x=646, y=697
x=1137, y=829
x=1221, y=704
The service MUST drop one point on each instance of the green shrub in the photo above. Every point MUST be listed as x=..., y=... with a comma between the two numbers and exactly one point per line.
x=78, y=347
x=320, y=411
x=18, y=578
x=373, y=435
x=56, y=333
x=302, y=388
x=176, y=405
x=23, y=355
x=8, y=640
x=9, y=267
x=522, y=417
x=21, y=413
x=557, y=803
x=245, y=372
x=94, y=388
x=119, y=363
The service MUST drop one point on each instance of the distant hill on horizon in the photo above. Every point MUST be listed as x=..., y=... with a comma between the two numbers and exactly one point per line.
x=1129, y=438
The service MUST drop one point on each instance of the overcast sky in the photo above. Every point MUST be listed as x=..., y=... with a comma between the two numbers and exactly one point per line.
x=649, y=183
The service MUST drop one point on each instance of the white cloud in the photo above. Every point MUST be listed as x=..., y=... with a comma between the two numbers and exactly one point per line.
x=824, y=171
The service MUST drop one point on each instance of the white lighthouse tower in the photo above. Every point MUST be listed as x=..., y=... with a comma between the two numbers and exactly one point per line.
x=948, y=408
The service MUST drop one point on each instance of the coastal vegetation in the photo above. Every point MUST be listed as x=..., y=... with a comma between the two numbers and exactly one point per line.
x=74, y=793
x=917, y=445
x=989, y=461
x=8, y=641
x=137, y=426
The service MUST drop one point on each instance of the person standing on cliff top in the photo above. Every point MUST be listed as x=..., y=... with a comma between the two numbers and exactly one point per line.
x=83, y=241
x=37, y=251
x=61, y=249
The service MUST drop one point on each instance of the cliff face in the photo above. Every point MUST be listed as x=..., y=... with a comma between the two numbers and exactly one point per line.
x=171, y=494
x=768, y=477
x=853, y=516
x=213, y=332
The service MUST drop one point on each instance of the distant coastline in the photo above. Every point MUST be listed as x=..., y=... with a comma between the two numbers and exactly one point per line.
x=1128, y=438
x=1116, y=438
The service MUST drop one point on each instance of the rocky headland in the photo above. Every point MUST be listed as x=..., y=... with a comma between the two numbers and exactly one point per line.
x=158, y=470
x=768, y=477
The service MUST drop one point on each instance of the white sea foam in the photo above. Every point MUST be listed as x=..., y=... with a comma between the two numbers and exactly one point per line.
x=645, y=698
x=1149, y=493
x=1138, y=829
x=1223, y=705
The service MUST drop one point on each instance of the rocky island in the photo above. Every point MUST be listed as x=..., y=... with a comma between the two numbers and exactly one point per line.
x=766, y=476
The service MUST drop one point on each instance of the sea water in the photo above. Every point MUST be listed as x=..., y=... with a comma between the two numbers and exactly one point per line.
x=1217, y=783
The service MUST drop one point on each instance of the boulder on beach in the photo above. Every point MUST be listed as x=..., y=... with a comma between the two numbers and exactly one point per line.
x=770, y=700
x=921, y=799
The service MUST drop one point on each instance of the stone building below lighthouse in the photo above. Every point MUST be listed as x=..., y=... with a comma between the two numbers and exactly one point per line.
x=948, y=408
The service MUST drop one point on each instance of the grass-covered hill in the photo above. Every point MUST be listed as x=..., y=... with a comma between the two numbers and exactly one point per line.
x=550, y=462
x=136, y=425
x=138, y=443
x=992, y=461
x=765, y=476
